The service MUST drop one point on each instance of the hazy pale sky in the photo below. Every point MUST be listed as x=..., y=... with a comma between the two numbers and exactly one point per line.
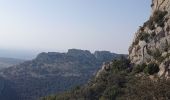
x=57, y=25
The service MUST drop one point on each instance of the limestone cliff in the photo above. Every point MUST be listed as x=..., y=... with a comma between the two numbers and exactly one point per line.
x=152, y=40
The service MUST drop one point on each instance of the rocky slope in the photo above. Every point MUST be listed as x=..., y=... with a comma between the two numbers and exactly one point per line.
x=152, y=41
x=54, y=72
x=117, y=81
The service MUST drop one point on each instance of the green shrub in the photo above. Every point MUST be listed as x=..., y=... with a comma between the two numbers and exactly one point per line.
x=158, y=17
x=152, y=4
x=156, y=54
x=149, y=24
x=141, y=28
x=160, y=59
x=135, y=42
x=153, y=34
x=120, y=65
x=146, y=89
x=143, y=36
x=149, y=52
x=139, y=68
x=110, y=93
x=151, y=69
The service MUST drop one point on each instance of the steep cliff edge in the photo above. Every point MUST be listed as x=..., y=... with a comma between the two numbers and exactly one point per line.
x=151, y=43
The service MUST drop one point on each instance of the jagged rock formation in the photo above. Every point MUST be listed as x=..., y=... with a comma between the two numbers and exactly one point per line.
x=152, y=40
x=54, y=72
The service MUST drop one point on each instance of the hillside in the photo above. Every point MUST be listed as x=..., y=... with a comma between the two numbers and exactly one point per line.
x=54, y=72
x=117, y=80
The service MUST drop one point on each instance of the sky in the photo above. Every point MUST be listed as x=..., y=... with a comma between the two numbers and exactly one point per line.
x=58, y=25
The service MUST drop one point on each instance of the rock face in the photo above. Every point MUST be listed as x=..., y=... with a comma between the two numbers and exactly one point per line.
x=54, y=72
x=152, y=40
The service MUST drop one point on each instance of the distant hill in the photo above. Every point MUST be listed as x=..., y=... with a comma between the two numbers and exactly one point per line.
x=54, y=72
x=7, y=62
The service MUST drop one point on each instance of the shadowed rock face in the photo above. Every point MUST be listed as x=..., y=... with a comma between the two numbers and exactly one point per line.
x=152, y=40
x=54, y=72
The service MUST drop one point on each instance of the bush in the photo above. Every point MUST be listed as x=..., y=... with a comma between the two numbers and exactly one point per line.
x=160, y=59
x=151, y=69
x=110, y=93
x=143, y=36
x=149, y=24
x=158, y=17
x=156, y=54
x=135, y=42
x=139, y=68
x=152, y=5
x=149, y=52
x=120, y=65
x=153, y=34
x=146, y=89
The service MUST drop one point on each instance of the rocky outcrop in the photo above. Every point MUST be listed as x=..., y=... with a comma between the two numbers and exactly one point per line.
x=152, y=40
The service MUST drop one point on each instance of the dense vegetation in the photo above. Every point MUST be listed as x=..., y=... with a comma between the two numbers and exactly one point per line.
x=120, y=82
